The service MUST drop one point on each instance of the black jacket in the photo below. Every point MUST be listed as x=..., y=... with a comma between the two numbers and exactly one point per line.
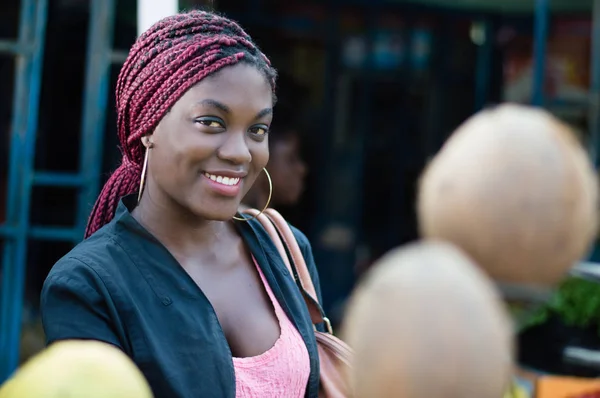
x=123, y=287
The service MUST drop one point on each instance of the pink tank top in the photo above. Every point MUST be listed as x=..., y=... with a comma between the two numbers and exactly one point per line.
x=281, y=371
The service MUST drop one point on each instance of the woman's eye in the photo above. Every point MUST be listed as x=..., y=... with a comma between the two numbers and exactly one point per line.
x=210, y=123
x=214, y=124
x=259, y=130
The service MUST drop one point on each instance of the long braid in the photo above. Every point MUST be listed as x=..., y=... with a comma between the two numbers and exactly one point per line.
x=165, y=61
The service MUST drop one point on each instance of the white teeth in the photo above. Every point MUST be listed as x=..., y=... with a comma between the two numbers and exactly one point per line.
x=223, y=180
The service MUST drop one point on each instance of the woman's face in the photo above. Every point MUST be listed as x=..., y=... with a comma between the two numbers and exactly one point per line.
x=210, y=147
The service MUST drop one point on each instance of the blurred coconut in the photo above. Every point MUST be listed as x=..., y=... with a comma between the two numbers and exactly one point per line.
x=426, y=322
x=78, y=369
x=515, y=189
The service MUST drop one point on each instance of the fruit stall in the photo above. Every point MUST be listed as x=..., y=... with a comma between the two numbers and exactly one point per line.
x=386, y=82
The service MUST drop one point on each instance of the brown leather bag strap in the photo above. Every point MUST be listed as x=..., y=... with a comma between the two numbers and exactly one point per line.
x=289, y=239
x=302, y=274
x=283, y=238
x=268, y=226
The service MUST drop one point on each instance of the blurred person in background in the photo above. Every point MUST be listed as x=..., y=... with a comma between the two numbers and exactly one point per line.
x=286, y=166
x=202, y=303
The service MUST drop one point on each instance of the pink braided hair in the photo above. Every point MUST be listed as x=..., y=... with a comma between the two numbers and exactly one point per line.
x=165, y=61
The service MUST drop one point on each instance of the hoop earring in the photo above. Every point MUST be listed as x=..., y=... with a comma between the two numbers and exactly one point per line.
x=144, y=169
x=268, y=199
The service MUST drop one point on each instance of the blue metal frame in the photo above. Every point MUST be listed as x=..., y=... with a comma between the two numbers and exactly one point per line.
x=98, y=63
x=541, y=27
x=594, y=101
x=22, y=176
x=28, y=80
x=484, y=65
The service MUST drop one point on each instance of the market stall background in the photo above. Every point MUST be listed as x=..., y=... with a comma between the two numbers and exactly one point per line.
x=383, y=84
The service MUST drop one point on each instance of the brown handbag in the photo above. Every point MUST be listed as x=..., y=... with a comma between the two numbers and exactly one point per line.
x=334, y=355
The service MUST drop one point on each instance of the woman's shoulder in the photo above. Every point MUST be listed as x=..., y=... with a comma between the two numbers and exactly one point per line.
x=82, y=291
x=303, y=241
x=301, y=238
x=95, y=258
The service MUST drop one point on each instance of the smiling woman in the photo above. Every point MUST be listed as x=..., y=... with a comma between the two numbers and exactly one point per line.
x=202, y=304
x=214, y=135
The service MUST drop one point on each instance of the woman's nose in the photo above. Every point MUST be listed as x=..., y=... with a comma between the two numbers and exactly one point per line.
x=235, y=149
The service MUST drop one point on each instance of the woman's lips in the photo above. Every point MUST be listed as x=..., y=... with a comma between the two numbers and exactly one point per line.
x=225, y=185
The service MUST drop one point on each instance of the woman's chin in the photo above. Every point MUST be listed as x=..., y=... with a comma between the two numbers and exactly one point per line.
x=216, y=214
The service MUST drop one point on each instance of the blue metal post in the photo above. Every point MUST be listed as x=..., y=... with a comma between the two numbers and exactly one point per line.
x=594, y=100
x=95, y=100
x=484, y=66
x=32, y=30
x=541, y=27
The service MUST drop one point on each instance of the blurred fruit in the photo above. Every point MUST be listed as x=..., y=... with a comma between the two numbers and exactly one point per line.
x=78, y=369
x=513, y=188
x=426, y=322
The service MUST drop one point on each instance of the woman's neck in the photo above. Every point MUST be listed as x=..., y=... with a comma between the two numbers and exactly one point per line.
x=177, y=228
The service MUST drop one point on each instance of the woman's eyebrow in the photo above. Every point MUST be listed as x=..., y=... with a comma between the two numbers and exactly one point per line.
x=215, y=104
x=264, y=112
x=221, y=106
